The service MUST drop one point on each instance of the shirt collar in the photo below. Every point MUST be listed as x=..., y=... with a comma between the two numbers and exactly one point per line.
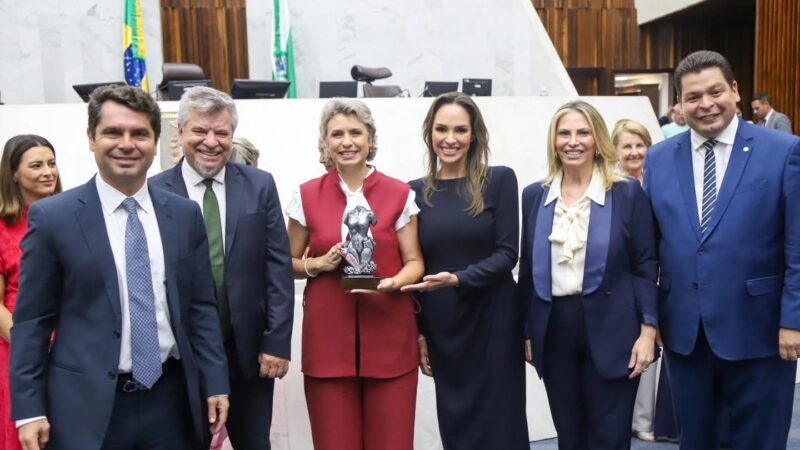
x=769, y=114
x=194, y=178
x=727, y=136
x=595, y=192
x=346, y=189
x=111, y=199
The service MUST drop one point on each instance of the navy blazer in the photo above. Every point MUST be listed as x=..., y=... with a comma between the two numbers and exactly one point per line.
x=258, y=264
x=619, y=281
x=741, y=278
x=68, y=285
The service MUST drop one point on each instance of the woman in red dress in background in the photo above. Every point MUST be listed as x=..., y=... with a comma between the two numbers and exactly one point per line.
x=28, y=173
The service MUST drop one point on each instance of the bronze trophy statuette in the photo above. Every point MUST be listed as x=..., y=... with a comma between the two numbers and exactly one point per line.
x=358, y=249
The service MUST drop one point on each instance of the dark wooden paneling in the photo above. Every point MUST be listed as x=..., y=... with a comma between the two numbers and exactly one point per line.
x=777, y=55
x=209, y=33
x=592, y=34
x=724, y=26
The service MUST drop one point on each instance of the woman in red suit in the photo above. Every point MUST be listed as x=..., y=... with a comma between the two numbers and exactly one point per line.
x=28, y=173
x=360, y=349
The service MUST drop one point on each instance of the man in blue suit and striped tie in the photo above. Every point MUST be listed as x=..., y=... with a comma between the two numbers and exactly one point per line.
x=726, y=197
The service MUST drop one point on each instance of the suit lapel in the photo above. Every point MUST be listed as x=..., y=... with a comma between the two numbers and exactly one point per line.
x=95, y=234
x=233, y=198
x=542, y=280
x=167, y=228
x=685, y=173
x=175, y=183
x=733, y=173
x=597, y=242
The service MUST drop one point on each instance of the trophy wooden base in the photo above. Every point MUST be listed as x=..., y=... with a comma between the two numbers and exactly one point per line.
x=360, y=282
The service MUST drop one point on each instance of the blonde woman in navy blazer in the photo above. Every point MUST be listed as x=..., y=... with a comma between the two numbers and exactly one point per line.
x=588, y=272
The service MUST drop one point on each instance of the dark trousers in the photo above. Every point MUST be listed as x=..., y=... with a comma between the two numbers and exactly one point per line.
x=250, y=415
x=158, y=419
x=589, y=411
x=757, y=393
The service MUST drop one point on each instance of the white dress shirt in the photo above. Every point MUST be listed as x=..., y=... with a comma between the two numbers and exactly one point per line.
x=116, y=218
x=722, y=154
x=569, y=234
x=197, y=189
x=354, y=198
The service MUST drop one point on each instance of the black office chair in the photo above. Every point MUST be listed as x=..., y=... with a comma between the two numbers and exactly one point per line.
x=370, y=74
x=382, y=91
x=177, y=72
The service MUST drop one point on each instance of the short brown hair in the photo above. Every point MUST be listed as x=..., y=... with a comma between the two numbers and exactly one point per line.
x=128, y=96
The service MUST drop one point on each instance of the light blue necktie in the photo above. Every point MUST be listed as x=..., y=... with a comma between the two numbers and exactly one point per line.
x=709, y=184
x=145, y=352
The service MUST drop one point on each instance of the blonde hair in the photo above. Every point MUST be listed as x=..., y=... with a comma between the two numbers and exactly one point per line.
x=605, y=155
x=477, y=154
x=632, y=127
x=244, y=152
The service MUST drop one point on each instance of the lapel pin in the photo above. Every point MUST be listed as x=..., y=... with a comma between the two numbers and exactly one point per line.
x=746, y=149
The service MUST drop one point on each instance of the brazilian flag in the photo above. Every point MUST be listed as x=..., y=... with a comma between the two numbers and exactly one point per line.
x=133, y=43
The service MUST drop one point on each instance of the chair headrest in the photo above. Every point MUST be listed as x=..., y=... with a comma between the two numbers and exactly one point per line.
x=369, y=74
x=179, y=72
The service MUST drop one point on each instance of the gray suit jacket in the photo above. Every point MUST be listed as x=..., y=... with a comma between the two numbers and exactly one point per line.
x=779, y=121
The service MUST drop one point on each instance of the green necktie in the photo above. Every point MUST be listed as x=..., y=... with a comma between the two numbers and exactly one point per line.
x=216, y=251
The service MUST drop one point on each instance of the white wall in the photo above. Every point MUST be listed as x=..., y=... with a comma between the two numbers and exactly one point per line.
x=286, y=133
x=650, y=10
x=418, y=40
x=49, y=45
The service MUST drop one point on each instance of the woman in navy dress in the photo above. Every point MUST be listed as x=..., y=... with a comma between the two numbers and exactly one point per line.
x=588, y=271
x=471, y=325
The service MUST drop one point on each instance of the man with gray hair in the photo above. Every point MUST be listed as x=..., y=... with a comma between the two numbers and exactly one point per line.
x=250, y=257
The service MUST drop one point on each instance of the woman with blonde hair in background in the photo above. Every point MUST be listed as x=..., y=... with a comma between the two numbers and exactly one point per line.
x=631, y=139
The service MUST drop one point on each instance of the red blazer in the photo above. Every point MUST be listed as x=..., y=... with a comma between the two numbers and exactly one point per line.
x=347, y=335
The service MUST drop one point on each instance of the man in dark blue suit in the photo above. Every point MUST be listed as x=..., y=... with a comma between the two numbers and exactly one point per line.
x=249, y=256
x=117, y=273
x=726, y=196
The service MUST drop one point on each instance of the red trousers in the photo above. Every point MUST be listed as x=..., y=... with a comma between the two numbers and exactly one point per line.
x=357, y=413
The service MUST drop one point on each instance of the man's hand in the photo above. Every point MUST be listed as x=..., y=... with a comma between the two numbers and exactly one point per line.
x=272, y=366
x=217, y=412
x=789, y=344
x=34, y=435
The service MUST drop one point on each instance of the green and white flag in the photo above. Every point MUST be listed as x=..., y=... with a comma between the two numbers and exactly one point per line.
x=282, y=53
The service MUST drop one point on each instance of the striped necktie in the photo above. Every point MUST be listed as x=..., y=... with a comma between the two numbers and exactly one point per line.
x=709, y=184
